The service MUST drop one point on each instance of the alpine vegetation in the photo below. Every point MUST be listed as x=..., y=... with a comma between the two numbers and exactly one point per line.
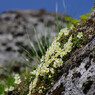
x=49, y=70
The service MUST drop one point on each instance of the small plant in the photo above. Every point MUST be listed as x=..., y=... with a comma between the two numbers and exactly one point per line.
x=72, y=21
x=85, y=17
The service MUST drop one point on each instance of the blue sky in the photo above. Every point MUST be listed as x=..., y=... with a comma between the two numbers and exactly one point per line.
x=74, y=8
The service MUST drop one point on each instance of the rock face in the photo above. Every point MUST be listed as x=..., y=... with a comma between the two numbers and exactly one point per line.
x=79, y=71
x=14, y=27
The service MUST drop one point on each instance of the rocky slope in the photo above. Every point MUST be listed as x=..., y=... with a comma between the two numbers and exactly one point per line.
x=14, y=27
x=79, y=71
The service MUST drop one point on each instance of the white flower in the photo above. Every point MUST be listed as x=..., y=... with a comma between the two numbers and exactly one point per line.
x=37, y=73
x=46, y=70
x=71, y=27
x=60, y=63
x=42, y=59
x=17, y=76
x=61, y=32
x=31, y=86
x=49, y=76
x=40, y=91
x=27, y=59
x=39, y=67
x=69, y=49
x=46, y=58
x=50, y=61
x=11, y=88
x=6, y=89
x=29, y=93
x=70, y=38
x=18, y=81
x=57, y=44
x=63, y=53
x=80, y=34
x=68, y=46
x=33, y=72
x=66, y=33
x=47, y=64
x=52, y=58
x=52, y=70
x=55, y=65
x=35, y=82
x=57, y=54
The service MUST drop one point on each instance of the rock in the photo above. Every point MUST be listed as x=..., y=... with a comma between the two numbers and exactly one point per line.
x=79, y=71
x=14, y=27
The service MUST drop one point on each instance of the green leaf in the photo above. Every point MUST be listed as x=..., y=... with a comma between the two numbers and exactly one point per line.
x=2, y=88
x=72, y=21
x=75, y=21
x=84, y=17
x=69, y=19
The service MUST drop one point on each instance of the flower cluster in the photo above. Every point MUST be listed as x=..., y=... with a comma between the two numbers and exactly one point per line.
x=52, y=59
x=10, y=89
x=80, y=34
x=17, y=81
